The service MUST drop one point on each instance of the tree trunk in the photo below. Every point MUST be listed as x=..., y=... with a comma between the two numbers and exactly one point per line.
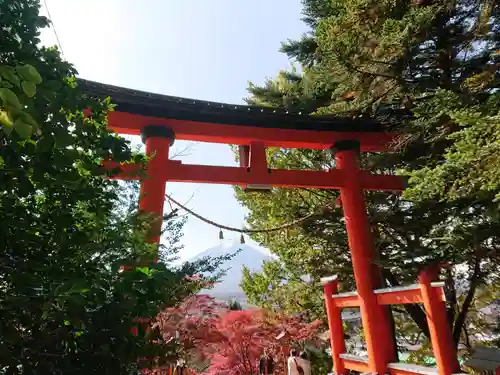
x=467, y=339
x=451, y=296
x=460, y=320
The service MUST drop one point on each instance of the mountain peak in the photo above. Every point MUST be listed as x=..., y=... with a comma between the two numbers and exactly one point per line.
x=249, y=256
x=228, y=247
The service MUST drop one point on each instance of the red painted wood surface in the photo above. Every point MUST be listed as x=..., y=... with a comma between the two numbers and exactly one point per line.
x=335, y=326
x=127, y=123
x=374, y=317
x=439, y=328
x=353, y=365
x=175, y=171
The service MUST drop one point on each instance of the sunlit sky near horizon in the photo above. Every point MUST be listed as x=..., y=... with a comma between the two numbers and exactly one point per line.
x=207, y=50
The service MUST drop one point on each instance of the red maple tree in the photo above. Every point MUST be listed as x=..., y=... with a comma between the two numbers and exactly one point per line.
x=190, y=324
x=231, y=342
x=238, y=342
x=243, y=335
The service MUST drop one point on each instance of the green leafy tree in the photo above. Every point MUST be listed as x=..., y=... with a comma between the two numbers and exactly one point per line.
x=273, y=287
x=430, y=70
x=64, y=305
x=234, y=305
x=13, y=115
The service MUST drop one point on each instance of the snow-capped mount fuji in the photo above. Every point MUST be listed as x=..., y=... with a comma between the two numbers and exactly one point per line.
x=229, y=287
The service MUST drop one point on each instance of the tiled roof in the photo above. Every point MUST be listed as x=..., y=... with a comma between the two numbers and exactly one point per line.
x=164, y=106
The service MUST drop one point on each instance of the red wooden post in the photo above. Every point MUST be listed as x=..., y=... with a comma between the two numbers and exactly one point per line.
x=439, y=327
x=244, y=156
x=375, y=319
x=258, y=161
x=334, y=314
x=157, y=140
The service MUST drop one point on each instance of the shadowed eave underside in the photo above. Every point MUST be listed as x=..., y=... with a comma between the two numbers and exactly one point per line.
x=171, y=107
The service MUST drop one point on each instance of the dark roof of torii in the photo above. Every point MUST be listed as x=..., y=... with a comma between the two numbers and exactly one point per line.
x=164, y=106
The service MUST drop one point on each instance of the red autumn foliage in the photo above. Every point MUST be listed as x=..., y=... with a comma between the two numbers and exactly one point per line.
x=243, y=335
x=190, y=323
x=233, y=341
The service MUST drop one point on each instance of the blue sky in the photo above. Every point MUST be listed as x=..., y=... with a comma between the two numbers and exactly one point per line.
x=192, y=48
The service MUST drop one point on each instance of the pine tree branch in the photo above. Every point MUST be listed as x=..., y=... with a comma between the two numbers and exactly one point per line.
x=319, y=193
x=383, y=75
x=306, y=203
x=393, y=237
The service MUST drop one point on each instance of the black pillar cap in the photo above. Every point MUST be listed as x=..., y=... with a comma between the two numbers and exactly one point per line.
x=159, y=131
x=346, y=145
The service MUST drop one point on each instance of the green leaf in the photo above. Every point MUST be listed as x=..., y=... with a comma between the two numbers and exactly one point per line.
x=64, y=139
x=10, y=99
x=28, y=88
x=145, y=270
x=5, y=119
x=26, y=117
x=79, y=289
x=30, y=74
x=7, y=84
x=8, y=130
x=9, y=73
x=23, y=129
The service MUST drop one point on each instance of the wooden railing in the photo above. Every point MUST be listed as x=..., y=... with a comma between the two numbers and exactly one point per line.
x=426, y=292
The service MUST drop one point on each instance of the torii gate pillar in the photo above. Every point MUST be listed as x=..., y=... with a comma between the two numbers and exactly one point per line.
x=157, y=140
x=375, y=319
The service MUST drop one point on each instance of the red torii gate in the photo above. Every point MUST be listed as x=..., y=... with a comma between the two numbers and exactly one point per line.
x=161, y=119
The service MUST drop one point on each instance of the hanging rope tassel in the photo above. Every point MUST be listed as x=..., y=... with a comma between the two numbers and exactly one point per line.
x=221, y=235
x=242, y=239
